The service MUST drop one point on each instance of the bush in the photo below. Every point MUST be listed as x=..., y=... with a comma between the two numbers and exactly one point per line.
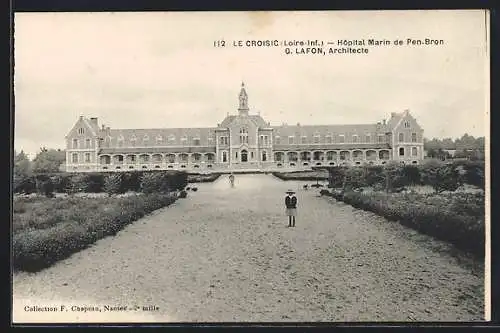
x=131, y=181
x=113, y=183
x=42, y=238
x=152, y=182
x=183, y=194
x=458, y=220
x=24, y=184
x=410, y=175
x=324, y=192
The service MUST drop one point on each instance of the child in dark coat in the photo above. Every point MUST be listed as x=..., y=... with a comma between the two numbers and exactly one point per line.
x=291, y=207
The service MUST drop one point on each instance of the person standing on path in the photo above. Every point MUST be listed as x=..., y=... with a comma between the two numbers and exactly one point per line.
x=231, y=180
x=291, y=207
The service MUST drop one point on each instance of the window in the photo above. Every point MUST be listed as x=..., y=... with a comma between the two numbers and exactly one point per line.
x=380, y=138
x=316, y=138
x=75, y=143
x=133, y=140
x=266, y=140
x=120, y=141
x=87, y=143
x=107, y=141
x=368, y=138
x=290, y=140
x=354, y=138
x=81, y=131
x=264, y=156
x=87, y=157
x=236, y=155
x=413, y=137
x=183, y=140
x=210, y=157
x=210, y=140
x=224, y=156
x=171, y=139
x=243, y=135
x=304, y=139
x=145, y=139
x=401, y=137
x=414, y=151
x=328, y=139
x=196, y=141
x=341, y=138
x=401, y=151
x=407, y=124
x=74, y=158
x=277, y=140
x=159, y=139
x=223, y=140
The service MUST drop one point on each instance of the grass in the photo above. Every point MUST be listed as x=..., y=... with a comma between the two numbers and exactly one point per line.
x=46, y=230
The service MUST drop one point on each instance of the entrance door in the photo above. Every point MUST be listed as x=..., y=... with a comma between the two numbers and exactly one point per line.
x=244, y=156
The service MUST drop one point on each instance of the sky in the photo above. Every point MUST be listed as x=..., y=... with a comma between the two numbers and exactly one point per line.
x=155, y=70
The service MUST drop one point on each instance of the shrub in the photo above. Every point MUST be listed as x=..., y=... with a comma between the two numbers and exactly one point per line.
x=183, y=194
x=131, y=181
x=152, y=182
x=410, y=175
x=458, y=220
x=24, y=184
x=113, y=183
x=45, y=237
x=324, y=192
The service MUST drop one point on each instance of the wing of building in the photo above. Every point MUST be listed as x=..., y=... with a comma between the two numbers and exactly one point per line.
x=242, y=141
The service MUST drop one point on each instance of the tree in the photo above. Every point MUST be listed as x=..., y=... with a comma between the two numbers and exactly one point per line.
x=48, y=160
x=22, y=165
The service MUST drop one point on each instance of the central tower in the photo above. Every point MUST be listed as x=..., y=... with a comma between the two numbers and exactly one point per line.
x=243, y=107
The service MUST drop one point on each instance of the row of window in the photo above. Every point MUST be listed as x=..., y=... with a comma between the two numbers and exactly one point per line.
x=263, y=139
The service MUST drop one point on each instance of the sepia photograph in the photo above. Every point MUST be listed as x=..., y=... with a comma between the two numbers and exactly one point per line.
x=251, y=167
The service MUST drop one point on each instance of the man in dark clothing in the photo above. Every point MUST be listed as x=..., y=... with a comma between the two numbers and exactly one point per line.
x=291, y=207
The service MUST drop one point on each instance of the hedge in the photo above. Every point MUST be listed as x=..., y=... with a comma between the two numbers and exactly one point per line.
x=457, y=219
x=119, y=182
x=48, y=230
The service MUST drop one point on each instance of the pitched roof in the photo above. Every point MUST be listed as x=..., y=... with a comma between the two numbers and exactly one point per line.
x=311, y=130
x=152, y=133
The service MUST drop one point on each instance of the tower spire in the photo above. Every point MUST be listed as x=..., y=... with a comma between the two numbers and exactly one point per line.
x=243, y=107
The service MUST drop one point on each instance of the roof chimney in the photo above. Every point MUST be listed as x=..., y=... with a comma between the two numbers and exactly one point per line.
x=383, y=121
x=81, y=117
x=103, y=127
x=298, y=124
x=393, y=114
x=93, y=121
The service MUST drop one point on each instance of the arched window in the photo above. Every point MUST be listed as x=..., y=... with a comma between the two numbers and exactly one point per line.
x=133, y=140
x=145, y=139
x=159, y=139
x=224, y=156
x=243, y=135
x=264, y=156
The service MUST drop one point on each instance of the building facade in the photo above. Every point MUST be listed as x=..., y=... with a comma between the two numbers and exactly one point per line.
x=242, y=141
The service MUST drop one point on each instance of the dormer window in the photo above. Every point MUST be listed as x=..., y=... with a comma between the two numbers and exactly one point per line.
x=368, y=138
x=159, y=139
x=184, y=140
x=120, y=141
x=328, y=138
x=171, y=139
x=145, y=139
x=196, y=141
x=316, y=138
x=290, y=140
x=304, y=139
x=354, y=138
x=133, y=140
x=341, y=138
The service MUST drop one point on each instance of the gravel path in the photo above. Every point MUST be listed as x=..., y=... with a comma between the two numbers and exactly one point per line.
x=225, y=254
